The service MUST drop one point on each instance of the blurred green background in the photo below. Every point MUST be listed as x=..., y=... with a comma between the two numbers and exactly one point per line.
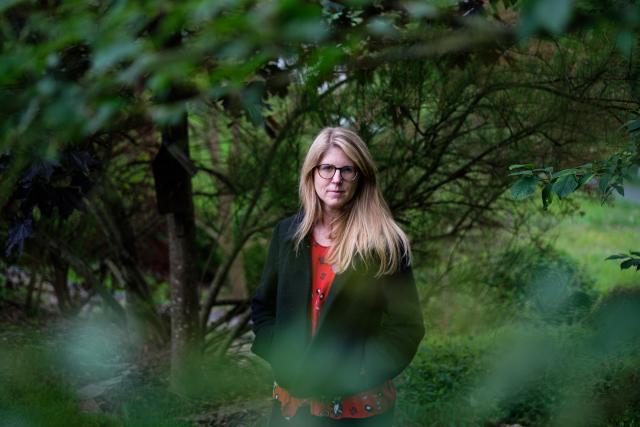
x=142, y=138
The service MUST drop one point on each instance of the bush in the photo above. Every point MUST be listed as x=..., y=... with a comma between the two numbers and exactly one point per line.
x=437, y=385
x=616, y=321
x=542, y=283
x=618, y=393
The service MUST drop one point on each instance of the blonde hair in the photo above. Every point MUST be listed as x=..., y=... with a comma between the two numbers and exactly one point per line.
x=365, y=229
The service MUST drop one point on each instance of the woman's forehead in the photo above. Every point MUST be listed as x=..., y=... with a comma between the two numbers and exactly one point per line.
x=336, y=156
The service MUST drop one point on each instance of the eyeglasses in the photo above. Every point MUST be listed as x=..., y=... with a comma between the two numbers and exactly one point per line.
x=348, y=173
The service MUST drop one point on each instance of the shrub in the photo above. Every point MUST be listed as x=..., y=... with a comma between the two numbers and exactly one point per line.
x=616, y=320
x=540, y=282
x=437, y=384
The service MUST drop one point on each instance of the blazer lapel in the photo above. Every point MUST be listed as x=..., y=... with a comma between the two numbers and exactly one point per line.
x=339, y=281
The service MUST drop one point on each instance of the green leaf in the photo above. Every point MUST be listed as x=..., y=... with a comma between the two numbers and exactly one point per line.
x=380, y=27
x=565, y=185
x=564, y=172
x=634, y=253
x=619, y=189
x=418, y=9
x=524, y=187
x=6, y=4
x=633, y=126
x=626, y=42
x=110, y=55
x=604, y=183
x=618, y=256
x=527, y=172
x=628, y=263
x=553, y=15
x=585, y=178
x=526, y=165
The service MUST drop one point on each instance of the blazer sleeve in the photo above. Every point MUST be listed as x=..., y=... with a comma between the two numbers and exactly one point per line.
x=263, y=303
x=391, y=349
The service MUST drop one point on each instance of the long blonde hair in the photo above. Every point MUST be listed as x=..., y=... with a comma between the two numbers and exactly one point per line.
x=365, y=229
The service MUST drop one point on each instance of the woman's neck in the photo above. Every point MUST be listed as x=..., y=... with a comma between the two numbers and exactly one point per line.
x=323, y=228
x=328, y=216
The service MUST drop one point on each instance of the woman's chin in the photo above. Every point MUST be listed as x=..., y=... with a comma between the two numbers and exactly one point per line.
x=334, y=206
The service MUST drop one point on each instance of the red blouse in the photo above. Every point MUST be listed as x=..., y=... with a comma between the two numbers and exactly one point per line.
x=322, y=276
x=362, y=405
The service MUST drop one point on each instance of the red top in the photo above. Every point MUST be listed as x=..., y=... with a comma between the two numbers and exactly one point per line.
x=362, y=405
x=322, y=275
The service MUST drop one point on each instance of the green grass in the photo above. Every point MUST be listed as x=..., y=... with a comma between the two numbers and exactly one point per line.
x=32, y=395
x=43, y=369
x=597, y=232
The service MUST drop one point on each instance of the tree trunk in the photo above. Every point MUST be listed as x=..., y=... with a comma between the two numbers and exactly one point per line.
x=33, y=281
x=185, y=336
x=60, y=285
x=174, y=193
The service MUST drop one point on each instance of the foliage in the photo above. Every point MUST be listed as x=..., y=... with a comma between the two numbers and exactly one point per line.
x=610, y=173
x=48, y=185
x=442, y=373
x=53, y=376
x=447, y=95
x=541, y=282
x=521, y=374
x=616, y=318
x=630, y=260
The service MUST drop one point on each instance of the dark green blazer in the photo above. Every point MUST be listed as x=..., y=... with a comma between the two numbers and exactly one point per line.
x=368, y=331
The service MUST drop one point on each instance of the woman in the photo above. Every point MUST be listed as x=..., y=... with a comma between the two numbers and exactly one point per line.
x=336, y=313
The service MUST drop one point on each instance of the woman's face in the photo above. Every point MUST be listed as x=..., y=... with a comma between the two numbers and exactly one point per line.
x=334, y=192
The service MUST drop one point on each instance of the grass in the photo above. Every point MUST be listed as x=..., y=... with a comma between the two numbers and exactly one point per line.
x=43, y=370
x=598, y=231
x=32, y=395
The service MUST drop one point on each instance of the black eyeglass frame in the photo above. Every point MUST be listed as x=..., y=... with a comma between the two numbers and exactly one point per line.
x=335, y=168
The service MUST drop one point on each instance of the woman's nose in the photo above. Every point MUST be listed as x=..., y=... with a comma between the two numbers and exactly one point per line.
x=337, y=176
